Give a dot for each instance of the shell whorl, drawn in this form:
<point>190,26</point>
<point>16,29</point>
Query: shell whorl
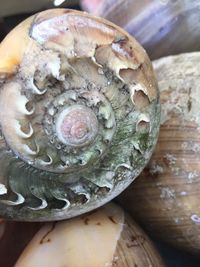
<point>79,115</point>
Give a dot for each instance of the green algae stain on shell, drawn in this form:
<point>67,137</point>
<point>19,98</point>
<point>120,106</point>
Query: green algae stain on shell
<point>79,115</point>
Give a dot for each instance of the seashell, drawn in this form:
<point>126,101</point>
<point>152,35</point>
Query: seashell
<point>165,198</point>
<point>79,115</point>
<point>164,27</point>
<point>105,237</point>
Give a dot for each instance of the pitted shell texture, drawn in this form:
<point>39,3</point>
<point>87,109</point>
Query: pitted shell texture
<point>79,115</point>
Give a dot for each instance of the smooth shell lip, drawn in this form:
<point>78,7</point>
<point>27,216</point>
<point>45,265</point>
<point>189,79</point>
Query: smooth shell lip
<point>76,126</point>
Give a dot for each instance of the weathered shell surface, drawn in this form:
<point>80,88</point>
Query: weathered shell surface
<point>79,115</point>
<point>105,237</point>
<point>163,27</point>
<point>166,197</point>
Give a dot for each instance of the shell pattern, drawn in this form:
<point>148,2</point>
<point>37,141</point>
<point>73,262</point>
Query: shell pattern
<point>79,115</point>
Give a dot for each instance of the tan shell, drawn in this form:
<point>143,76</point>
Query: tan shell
<point>165,198</point>
<point>105,237</point>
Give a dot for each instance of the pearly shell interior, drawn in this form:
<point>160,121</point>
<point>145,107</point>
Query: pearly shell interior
<point>79,115</point>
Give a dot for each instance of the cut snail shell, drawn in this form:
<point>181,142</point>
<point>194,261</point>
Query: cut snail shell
<point>163,27</point>
<point>79,115</point>
<point>165,198</point>
<point>105,237</point>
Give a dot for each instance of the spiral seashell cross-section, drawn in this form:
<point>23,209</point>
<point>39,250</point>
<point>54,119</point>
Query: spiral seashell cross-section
<point>79,115</point>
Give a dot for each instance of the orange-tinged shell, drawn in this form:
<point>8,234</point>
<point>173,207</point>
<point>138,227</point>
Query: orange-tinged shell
<point>13,47</point>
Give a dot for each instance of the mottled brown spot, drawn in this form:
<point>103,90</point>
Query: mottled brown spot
<point>44,239</point>
<point>135,241</point>
<point>98,223</point>
<point>166,161</point>
<point>86,218</point>
<point>123,43</point>
<point>112,219</point>
<point>189,103</point>
<point>86,221</point>
<point>121,40</point>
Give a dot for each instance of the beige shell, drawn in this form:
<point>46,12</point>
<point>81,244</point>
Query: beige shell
<point>166,197</point>
<point>105,238</point>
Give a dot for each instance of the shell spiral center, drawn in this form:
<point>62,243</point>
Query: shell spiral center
<point>76,126</point>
